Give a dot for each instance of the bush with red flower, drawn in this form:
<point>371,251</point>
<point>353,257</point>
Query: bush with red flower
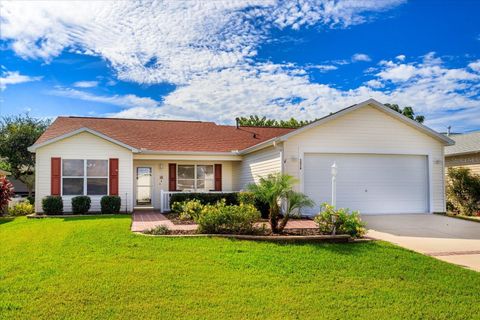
<point>6,193</point>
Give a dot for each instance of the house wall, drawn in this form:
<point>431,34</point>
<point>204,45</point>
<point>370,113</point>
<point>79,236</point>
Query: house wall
<point>471,161</point>
<point>369,130</point>
<point>160,174</point>
<point>83,146</point>
<point>257,164</point>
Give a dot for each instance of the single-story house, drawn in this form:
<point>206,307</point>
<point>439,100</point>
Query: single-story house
<point>387,163</point>
<point>465,152</point>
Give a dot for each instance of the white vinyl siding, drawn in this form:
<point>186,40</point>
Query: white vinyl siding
<point>258,164</point>
<point>370,131</point>
<point>83,146</point>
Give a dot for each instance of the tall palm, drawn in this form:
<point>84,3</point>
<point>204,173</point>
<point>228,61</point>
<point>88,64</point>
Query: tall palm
<point>295,201</point>
<point>273,189</point>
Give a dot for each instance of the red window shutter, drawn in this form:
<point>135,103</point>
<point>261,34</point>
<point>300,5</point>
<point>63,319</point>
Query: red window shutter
<point>55,175</point>
<point>172,177</point>
<point>218,177</point>
<point>113,175</point>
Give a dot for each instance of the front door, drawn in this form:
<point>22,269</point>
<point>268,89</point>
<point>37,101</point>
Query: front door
<point>144,186</point>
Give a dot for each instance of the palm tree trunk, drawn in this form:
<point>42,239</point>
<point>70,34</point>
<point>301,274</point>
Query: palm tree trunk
<point>273,217</point>
<point>283,223</point>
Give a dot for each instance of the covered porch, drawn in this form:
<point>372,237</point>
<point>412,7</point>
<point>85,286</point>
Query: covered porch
<point>158,177</point>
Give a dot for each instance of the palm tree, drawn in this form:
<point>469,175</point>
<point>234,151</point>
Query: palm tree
<point>275,189</point>
<point>295,201</point>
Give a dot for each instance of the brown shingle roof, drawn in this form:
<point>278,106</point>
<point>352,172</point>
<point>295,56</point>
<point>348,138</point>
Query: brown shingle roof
<point>167,135</point>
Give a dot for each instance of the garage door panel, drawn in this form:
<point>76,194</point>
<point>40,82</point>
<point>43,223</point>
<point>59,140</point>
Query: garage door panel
<point>369,183</point>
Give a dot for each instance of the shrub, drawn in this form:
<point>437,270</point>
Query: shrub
<point>31,199</point>
<point>6,193</point>
<point>246,197</point>
<point>159,230</point>
<point>220,218</point>
<point>81,204</point>
<point>52,205</point>
<point>21,209</point>
<point>340,220</point>
<point>205,198</point>
<point>110,204</point>
<point>188,210</point>
<point>463,191</point>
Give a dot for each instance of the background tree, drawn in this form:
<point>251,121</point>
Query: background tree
<point>256,121</point>
<point>17,133</point>
<point>406,111</point>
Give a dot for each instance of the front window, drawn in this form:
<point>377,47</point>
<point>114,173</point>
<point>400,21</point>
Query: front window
<point>84,177</point>
<point>195,177</point>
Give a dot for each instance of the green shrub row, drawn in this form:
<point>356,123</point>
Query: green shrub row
<point>53,205</point>
<point>220,218</point>
<point>233,198</point>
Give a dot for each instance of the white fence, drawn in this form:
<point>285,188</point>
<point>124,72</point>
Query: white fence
<point>165,197</point>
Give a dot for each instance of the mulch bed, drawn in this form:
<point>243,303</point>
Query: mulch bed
<point>175,218</point>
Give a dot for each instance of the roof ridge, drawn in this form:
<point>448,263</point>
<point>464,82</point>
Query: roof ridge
<point>134,119</point>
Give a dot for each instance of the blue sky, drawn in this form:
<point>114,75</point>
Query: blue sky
<point>218,60</point>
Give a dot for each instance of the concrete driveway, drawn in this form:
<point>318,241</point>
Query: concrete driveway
<point>453,240</point>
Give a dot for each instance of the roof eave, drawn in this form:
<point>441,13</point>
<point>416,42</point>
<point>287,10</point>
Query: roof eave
<point>33,148</point>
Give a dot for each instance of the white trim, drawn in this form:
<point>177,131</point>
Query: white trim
<point>34,147</point>
<point>370,102</point>
<point>195,179</point>
<point>152,184</point>
<point>85,178</point>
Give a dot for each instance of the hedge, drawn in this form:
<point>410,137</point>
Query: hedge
<point>231,198</point>
<point>81,204</point>
<point>110,204</point>
<point>205,198</point>
<point>52,205</point>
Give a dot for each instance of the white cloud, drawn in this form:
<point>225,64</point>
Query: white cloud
<point>14,77</point>
<point>208,49</point>
<point>285,91</point>
<point>360,57</point>
<point>375,84</point>
<point>170,41</point>
<point>396,73</point>
<point>125,101</point>
<point>324,67</point>
<point>475,66</point>
<point>85,84</point>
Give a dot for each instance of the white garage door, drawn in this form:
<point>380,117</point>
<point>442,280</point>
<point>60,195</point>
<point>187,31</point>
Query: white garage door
<point>369,183</point>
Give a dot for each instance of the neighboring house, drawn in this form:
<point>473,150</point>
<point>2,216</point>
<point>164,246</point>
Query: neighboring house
<point>21,189</point>
<point>465,152</point>
<point>386,162</point>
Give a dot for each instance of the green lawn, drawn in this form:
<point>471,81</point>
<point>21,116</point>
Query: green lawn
<point>94,268</point>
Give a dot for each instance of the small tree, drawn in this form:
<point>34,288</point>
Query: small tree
<point>256,121</point>
<point>294,201</point>
<point>16,135</point>
<point>463,191</point>
<point>276,189</point>
<point>6,193</point>
<point>407,112</point>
